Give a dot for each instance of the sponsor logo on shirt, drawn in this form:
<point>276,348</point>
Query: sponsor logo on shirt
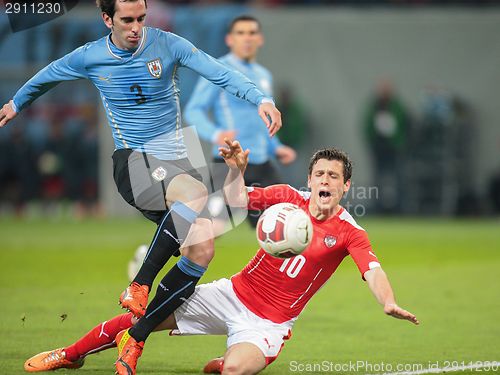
<point>106,79</point>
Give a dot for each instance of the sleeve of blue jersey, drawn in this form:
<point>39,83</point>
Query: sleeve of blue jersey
<point>230,80</point>
<point>198,108</point>
<point>273,145</point>
<point>67,68</point>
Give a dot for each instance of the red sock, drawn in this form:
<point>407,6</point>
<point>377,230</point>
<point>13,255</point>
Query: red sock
<point>99,338</point>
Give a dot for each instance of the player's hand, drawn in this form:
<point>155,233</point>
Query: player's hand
<point>397,312</point>
<point>285,154</point>
<point>7,113</point>
<point>234,156</point>
<point>271,117</point>
<point>229,134</point>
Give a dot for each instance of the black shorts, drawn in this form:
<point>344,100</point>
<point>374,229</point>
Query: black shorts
<point>260,175</point>
<point>142,180</point>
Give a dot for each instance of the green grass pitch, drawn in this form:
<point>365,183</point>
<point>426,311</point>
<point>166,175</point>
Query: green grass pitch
<point>446,272</point>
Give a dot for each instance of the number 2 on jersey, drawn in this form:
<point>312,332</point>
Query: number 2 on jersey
<point>297,262</point>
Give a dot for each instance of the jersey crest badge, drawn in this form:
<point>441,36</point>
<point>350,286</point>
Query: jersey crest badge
<point>330,241</point>
<point>159,174</point>
<point>155,68</point>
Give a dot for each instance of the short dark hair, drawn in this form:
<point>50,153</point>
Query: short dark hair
<point>333,154</point>
<point>109,6</point>
<point>243,17</point>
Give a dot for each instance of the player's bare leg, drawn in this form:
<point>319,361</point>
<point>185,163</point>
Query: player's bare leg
<point>241,359</point>
<point>199,245</point>
<point>185,197</point>
<point>167,324</point>
<point>187,189</point>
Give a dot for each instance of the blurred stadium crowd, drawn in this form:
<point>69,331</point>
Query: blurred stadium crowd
<point>44,163</point>
<point>51,158</point>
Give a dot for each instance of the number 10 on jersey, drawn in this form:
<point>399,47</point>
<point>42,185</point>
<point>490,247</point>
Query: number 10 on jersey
<point>292,266</point>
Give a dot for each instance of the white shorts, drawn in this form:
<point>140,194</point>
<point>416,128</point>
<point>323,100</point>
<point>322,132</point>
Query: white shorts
<point>214,309</point>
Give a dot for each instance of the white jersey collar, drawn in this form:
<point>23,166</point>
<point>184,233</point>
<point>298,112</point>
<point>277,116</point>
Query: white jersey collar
<point>136,52</point>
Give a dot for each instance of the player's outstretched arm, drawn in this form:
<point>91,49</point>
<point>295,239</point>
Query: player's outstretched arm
<point>236,159</point>
<point>381,288</point>
<point>67,68</point>
<point>271,117</point>
<point>7,113</point>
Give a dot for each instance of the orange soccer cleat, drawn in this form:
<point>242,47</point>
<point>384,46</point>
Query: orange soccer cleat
<point>135,299</point>
<point>129,352</point>
<point>51,360</point>
<point>214,366</point>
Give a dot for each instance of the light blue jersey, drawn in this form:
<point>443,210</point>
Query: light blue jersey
<point>231,113</point>
<point>139,89</point>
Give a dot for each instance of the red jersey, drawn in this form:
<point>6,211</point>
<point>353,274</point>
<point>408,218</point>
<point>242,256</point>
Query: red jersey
<point>279,289</point>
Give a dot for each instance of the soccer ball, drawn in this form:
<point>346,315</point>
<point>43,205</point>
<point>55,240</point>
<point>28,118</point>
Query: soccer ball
<point>136,262</point>
<point>284,230</point>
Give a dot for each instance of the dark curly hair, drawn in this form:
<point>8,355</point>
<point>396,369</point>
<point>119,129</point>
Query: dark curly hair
<point>332,154</point>
<point>108,6</point>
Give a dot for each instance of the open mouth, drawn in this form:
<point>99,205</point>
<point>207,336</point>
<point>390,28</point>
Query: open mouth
<point>325,196</point>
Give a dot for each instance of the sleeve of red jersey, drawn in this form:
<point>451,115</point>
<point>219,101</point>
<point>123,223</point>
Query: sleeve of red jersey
<point>261,198</point>
<point>360,249</point>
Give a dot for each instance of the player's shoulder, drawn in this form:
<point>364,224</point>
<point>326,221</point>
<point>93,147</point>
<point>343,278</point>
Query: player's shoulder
<point>154,35</point>
<point>156,32</point>
<point>172,42</point>
<point>90,53</point>
<point>290,193</point>
<point>299,194</point>
<point>347,218</point>
<point>94,45</point>
<point>168,36</point>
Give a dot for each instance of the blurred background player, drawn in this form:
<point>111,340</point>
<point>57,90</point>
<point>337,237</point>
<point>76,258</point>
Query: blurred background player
<point>387,129</point>
<point>257,307</point>
<point>135,71</point>
<point>217,115</point>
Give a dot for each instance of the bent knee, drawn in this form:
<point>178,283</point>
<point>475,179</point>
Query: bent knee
<point>205,250</point>
<point>201,253</point>
<point>188,190</point>
<point>201,236</point>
